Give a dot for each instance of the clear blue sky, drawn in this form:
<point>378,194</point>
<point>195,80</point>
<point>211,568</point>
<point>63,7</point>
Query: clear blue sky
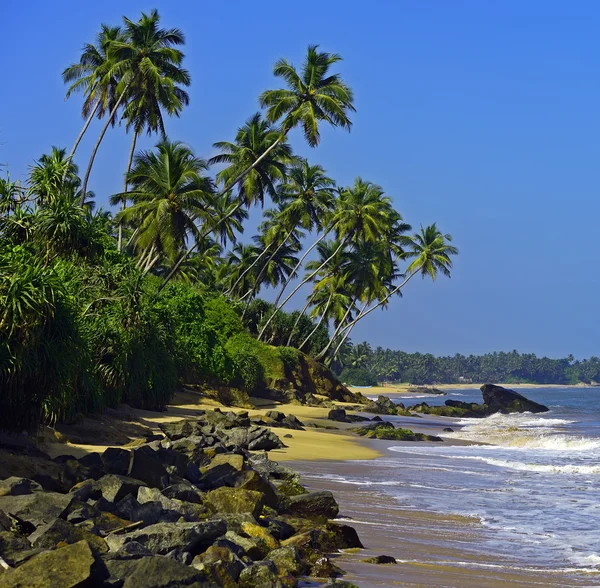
<point>482,116</point>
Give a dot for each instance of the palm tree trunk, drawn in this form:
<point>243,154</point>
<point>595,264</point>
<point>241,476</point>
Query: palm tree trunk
<point>231,213</point>
<point>129,162</point>
<point>79,137</point>
<point>348,331</point>
<point>308,302</point>
<point>299,264</point>
<point>310,277</point>
<point>318,323</point>
<point>338,330</point>
<point>97,145</point>
<point>362,314</point>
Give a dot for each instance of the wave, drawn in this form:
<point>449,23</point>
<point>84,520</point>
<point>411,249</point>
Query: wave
<point>474,564</point>
<point>533,467</point>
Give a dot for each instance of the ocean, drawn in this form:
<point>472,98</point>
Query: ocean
<point>533,487</point>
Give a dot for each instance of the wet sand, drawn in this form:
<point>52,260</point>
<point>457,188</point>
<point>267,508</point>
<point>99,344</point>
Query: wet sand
<point>431,549</point>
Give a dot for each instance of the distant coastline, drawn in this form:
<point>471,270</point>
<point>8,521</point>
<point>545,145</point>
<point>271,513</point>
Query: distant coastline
<point>412,389</point>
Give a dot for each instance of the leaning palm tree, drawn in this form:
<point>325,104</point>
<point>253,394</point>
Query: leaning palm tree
<point>226,218</point>
<point>170,195</point>
<point>362,214</point>
<point>145,59</point>
<point>92,76</point>
<point>313,96</point>
<point>432,255</point>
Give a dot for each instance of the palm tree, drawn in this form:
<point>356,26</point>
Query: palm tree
<point>226,218</point>
<point>432,253</point>
<point>52,175</point>
<point>145,59</point>
<point>169,194</point>
<point>238,260</point>
<point>92,76</point>
<point>362,213</point>
<point>311,97</point>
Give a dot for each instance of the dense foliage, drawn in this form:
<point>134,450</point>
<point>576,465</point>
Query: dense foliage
<point>99,309</point>
<point>359,362</point>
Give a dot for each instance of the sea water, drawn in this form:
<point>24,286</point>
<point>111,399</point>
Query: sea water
<point>535,484</point>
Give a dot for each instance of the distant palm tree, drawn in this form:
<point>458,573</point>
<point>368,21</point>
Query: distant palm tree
<point>145,59</point>
<point>226,218</point>
<point>93,76</point>
<point>170,195</point>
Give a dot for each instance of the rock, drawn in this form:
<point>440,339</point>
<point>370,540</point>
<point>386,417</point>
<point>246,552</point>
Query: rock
<point>291,488</point>
<point>278,528</point>
<point>341,584</point>
<point>180,429</point>
<point>254,547</point>
<point>50,535</point>
<point>161,538</point>
<point>94,465</point>
<point>11,544</point>
<point>220,564</point>
<point>38,508</point>
<point>380,559</point>
<point>149,513</point>
<point>503,400</point>
<point>288,436</point>
<point>235,460</point>
<point>71,566</point>
<point>115,487</point>
<point>192,448</point>
<point>234,521</point>
<point>288,561</point>
<point>258,532</point>
<point>252,480</point>
<point>271,469</point>
<point>325,568</point>
<point>190,511</point>
<point>313,504</point>
<point>260,575</point>
<point>342,537</point>
<point>340,415</point>
<point>146,467</point>
<point>387,431</point>
<point>15,486</point>
<point>133,548</point>
<point>253,438</point>
<point>185,492</point>
<point>235,500</point>
<point>218,476</point>
<point>116,461</point>
<point>107,522</point>
<point>155,572</point>
<point>377,419</point>
<point>448,430</point>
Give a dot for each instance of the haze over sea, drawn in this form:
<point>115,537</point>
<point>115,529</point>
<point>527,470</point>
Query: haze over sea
<point>533,487</point>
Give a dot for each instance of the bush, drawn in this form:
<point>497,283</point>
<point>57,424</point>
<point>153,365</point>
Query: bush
<point>222,318</point>
<point>357,377</point>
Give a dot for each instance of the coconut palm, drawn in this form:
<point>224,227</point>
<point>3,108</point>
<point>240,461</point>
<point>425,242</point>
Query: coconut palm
<point>432,255</point>
<point>237,262</point>
<point>146,61</point>
<point>226,218</point>
<point>312,96</point>
<point>93,76</point>
<point>169,194</point>
<point>362,214</point>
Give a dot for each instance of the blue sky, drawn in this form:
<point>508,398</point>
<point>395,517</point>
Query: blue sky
<point>482,116</point>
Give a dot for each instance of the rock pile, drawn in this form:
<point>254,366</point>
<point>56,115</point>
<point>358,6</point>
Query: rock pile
<point>193,509</point>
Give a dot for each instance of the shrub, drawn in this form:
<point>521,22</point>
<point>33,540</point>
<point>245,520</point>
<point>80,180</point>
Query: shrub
<point>357,377</point>
<point>222,318</point>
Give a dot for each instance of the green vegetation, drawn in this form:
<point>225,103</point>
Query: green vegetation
<point>423,368</point>
<point>387,432</point>
<point>97,309</point>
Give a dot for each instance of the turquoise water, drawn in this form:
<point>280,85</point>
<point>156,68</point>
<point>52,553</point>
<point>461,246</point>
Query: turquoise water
<point>535,486</point>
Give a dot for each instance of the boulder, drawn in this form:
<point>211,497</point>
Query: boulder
<point>15,486</point>
<point>260,575</point>
<point>235,500</point>
<point>340,415</point>
<point>183,491</point>
<point>180,429</point>
<point>72,566</point>
<point>50,535</point>
<point>38,508</point>
<point>253,438</point>
<point>193,448</point>
<point>278,528</point>
<point>161,538</point>
<point>155,572</point>
<point>235,460</point>
<point>11,545</point>
<point>216,477</point>
<point>271,469</point>
<point>325,568</point>
<point>252,480</point>
<point>501,399</point>
<point>146,467</point>
<point>116,460</point>
<point>288,561</point>
<point>220,564</point>
<point>258,532</point>
<point>313,504</point>
<point>253,547</point>
<point>380,559</point>
<point>190,511</point>
<point>115,487</point>
<point>342,537</point>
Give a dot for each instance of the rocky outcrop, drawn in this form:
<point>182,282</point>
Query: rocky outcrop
<point>499,399</point>
<point>384,405</point>
<point>388,432</point>
<point>341,416</point>
<point>201,511</point>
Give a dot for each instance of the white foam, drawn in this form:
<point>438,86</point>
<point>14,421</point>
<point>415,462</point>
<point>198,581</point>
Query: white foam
<point>533,467</point>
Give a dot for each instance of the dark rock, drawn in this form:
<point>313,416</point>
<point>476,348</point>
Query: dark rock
<point>193,448</point>
<point>183,557</point>
<point>220,564</point>
<point>288,561</point>
<point>313,504</point>
<point>149,513</point>
<point>38,508</point>
<point>86,490</point>
<point>115,487</point>
<point>190,511</point>
<point>50,535</point>
<point>11,544</point>
<point>72,566</point>
<point>389,432</point>
<point>288,436</point>
<point>180,429</point>
<point>155,572</point>
<point>448,430</point>
<point>271,469</point>
<point>260,575</point>
<point>252,480</point>
<point>94,463</point>
<point>278,528</point>
<point>503,400</point>
<point>15,486</point>
<point>341,536</point>
<point>116,461</point>
<point>162,538</point>
<point>340,415</point>
<point>132,549</point>
<point>235,500</point>
<point>220,475</point>
<point>252,547</point>
<point>146,467</point>
<point>325,568</point>
<point>185,492</point>
<point>377,419</point>
<point>235,460</point>
<point>380,559</point>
